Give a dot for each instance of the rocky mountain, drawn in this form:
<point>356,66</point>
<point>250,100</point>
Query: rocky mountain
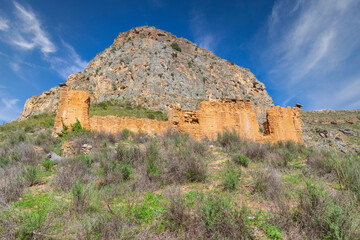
<point>153,68</point>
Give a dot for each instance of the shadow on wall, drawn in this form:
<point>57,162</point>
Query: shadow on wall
<point>282,124</point>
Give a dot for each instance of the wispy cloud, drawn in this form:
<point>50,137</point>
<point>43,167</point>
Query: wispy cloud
<point>202,37</point>
<point>311,49</point>
<point>68,64</point>
<point>9,109</point>
<point>15,66</point>
<point>3,24</point>
<point>9,103</point>
<point>29,33</point>
<point>26,32</point>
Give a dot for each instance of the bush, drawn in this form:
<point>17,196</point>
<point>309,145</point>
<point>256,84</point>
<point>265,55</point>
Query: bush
<point>69,170</point>
<point>11,186</point>
<point>255,151</point>
<point>48,164</point>
<point>268,184</point>
<point>229,140</point>
<point>185,158</point>
<point>79,196</point>
<point>241,160</point>
<point>17,137</point>
<point>126,171</point>
<point>323,217</point>
<point>176,213</point>
<point>151,159</point>
<point>25,153</point>
<point>30,222</point>
<point>222,220</point>
<point>348,172</point>
<point>31,175</point>
<point>125,134</point>
<point>175,46</point>
<point>230,177</point>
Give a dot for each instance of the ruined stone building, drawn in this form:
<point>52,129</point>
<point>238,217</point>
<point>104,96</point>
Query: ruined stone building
<point>212,117</point>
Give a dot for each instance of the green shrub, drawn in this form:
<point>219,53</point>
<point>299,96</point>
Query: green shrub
<point>229,140</point>
<point>17,137</point>
<point>126,133</point>
<point>4,161</point>
<point>324,217</point>
<point>152,155</point>
<point>126,171</point>
<point>175,46</point>
<point>31,175</point>
<point>222,220</point>
<point>79,195</point>
<point>230,177</point>
<point>30,222</point>
<point>348,171</point>
<point>47,164</point>
<point>76,127</point>
<point>241,160</point>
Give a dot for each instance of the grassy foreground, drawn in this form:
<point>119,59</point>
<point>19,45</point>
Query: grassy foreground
<point>133,186</point>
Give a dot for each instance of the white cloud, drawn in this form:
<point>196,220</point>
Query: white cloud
<point>9,103</point>
<point>26,32</point>
<point>29,33</point>
<point>311,49</point>
<point>9,110</point>
<point>68,64</point>
<point>202,37</point>
<point>4,24</point>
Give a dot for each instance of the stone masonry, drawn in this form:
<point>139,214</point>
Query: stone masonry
<point>73,105</point>
<point>212,117</point>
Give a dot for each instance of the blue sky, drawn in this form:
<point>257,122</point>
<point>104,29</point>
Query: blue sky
<point>305,51</point>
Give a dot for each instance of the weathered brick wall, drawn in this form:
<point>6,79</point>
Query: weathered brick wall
<point>73,105</point>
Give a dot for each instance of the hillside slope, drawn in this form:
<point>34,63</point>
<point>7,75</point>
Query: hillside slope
<point>154,68</point>
<point>338,129</point>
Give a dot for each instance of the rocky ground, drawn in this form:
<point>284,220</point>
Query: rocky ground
<point>331,129</point>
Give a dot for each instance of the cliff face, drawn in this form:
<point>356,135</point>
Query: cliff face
<point>154,68</point>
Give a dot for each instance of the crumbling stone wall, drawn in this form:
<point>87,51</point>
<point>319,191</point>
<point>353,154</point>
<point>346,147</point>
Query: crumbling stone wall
<point>218,116</point>
<point>283,124</point>
<point>73,105</point>
<point>114,124</point>
<point>212,117</point>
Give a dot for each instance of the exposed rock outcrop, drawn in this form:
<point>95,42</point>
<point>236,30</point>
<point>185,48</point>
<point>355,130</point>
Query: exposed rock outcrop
<point>334,129</point>
<point>141,65</point>
<point>46,102</point>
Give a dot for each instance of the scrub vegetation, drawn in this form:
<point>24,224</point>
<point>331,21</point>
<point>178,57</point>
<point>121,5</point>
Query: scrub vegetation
<point>135,186</point>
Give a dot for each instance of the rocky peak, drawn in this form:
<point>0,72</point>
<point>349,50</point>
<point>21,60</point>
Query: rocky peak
<point>154,68</point>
